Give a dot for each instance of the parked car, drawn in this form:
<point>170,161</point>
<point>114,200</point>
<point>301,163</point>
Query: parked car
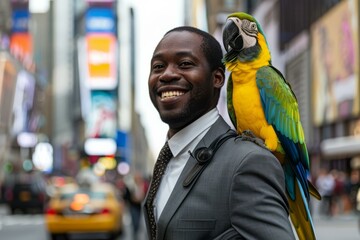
<point>25,191</point>
<point>94,208</point>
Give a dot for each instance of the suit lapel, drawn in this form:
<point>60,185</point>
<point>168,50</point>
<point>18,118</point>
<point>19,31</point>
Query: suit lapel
<point>179,192</point>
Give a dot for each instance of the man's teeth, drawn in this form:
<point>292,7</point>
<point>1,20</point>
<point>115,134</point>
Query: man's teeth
<point>171,94</point>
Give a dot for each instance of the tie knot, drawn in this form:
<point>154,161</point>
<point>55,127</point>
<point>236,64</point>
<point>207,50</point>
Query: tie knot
<point>165,154</point>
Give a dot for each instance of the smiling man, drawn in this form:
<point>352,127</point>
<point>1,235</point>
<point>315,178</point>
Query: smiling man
<point>209,184</point>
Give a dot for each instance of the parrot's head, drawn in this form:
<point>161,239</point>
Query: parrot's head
<point>243,38</point>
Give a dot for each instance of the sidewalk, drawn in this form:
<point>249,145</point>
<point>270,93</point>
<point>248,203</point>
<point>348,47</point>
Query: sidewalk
<point>4,210</point>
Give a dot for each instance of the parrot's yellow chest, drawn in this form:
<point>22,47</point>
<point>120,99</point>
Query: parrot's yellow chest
<point>247,103</point>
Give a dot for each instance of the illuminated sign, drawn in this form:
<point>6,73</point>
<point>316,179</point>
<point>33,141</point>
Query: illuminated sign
<point>27,139</point>
<point>100,20</point>
<point>20,20</point>
<point>100,146</point>
<point>21,48</point>
<point>101,61</point>
<point>43,157</point>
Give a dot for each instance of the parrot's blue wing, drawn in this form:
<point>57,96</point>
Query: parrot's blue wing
<point>281,111</point>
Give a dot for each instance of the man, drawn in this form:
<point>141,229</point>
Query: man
<point>238,191</point>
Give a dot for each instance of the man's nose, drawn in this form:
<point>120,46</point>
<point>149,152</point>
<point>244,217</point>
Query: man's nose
<point>169,74</point>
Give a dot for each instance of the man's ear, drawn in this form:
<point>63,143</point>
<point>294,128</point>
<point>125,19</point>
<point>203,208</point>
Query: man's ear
<point>219,77</point>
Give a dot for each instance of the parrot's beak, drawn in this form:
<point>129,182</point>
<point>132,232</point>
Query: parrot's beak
<point>232,39</point>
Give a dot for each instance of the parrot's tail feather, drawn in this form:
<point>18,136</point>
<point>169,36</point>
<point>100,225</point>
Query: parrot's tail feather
<point>300,215</point>
<point>313,191</point>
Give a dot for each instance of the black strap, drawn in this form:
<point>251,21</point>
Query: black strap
<point>204,156</point>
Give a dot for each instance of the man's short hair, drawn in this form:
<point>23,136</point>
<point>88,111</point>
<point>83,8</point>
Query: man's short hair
<point>210,46</point>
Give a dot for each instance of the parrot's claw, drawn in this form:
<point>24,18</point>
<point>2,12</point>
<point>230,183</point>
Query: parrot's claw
<point>250,136</point>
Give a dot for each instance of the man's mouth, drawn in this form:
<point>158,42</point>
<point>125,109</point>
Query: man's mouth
<point>170,94</point>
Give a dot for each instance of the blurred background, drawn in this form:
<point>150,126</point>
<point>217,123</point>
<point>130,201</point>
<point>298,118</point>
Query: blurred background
<point>74,105</point>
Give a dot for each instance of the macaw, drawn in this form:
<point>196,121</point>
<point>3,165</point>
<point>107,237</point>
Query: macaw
<point>261,102</point>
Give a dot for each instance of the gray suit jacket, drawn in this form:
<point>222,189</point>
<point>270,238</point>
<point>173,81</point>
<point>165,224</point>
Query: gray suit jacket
<point>239,195</point>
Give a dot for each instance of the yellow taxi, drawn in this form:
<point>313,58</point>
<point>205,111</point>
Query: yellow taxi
<point>93,208</point>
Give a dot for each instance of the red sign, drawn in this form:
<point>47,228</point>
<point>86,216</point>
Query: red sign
<point>21,47</point>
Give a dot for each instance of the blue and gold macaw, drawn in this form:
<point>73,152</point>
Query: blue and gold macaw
<point>261,101</point>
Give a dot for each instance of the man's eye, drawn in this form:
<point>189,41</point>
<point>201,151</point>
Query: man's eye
<point>157,66</point>
<point>186,64</point>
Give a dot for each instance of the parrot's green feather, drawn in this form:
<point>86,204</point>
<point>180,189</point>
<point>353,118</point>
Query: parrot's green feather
<point>230,105</point>
<point>281,108</point>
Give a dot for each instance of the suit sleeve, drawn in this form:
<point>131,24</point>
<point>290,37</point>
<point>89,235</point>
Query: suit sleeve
<point>259,208</point>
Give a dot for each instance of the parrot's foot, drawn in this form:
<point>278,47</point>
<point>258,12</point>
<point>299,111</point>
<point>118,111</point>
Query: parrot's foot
<point>250,136</point>
<point>271,140</point>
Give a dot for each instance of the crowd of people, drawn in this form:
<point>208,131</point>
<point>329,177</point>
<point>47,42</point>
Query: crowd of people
<point>339,191</point>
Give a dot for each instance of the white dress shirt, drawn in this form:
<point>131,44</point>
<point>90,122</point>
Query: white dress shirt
<point>180,144</point>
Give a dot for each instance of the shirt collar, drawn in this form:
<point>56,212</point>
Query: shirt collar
<point>186,135</point>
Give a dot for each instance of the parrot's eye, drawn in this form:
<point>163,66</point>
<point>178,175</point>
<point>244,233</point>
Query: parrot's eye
<point>253,26</point>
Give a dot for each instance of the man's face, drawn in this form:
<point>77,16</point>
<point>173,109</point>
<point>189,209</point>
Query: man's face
<point>181,84</point>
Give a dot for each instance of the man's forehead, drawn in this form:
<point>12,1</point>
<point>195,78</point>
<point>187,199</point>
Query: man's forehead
<point>180,42</point>
<point>181,37</point>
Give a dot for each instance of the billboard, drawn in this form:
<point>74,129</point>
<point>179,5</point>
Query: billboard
<point>23,102</point>
<point>101,121</point>
<point>101,50</point>
<point>335,62</point>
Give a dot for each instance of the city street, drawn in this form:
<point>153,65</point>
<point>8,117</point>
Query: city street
<point>31,227</point>
<point>337,228</point>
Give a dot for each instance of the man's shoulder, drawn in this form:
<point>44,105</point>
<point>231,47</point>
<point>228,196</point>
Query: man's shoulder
<point>244,144</point>
<point>249,140</point>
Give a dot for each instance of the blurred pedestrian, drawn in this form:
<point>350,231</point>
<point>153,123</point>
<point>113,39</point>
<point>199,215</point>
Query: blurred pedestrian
<point>325,184</point>
<point>338,204</point>
<point>212,187</point>
<point>136,188</point>
<point>354,186</point>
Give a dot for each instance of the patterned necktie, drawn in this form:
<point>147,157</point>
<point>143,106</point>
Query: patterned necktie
<point>163,159</point>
